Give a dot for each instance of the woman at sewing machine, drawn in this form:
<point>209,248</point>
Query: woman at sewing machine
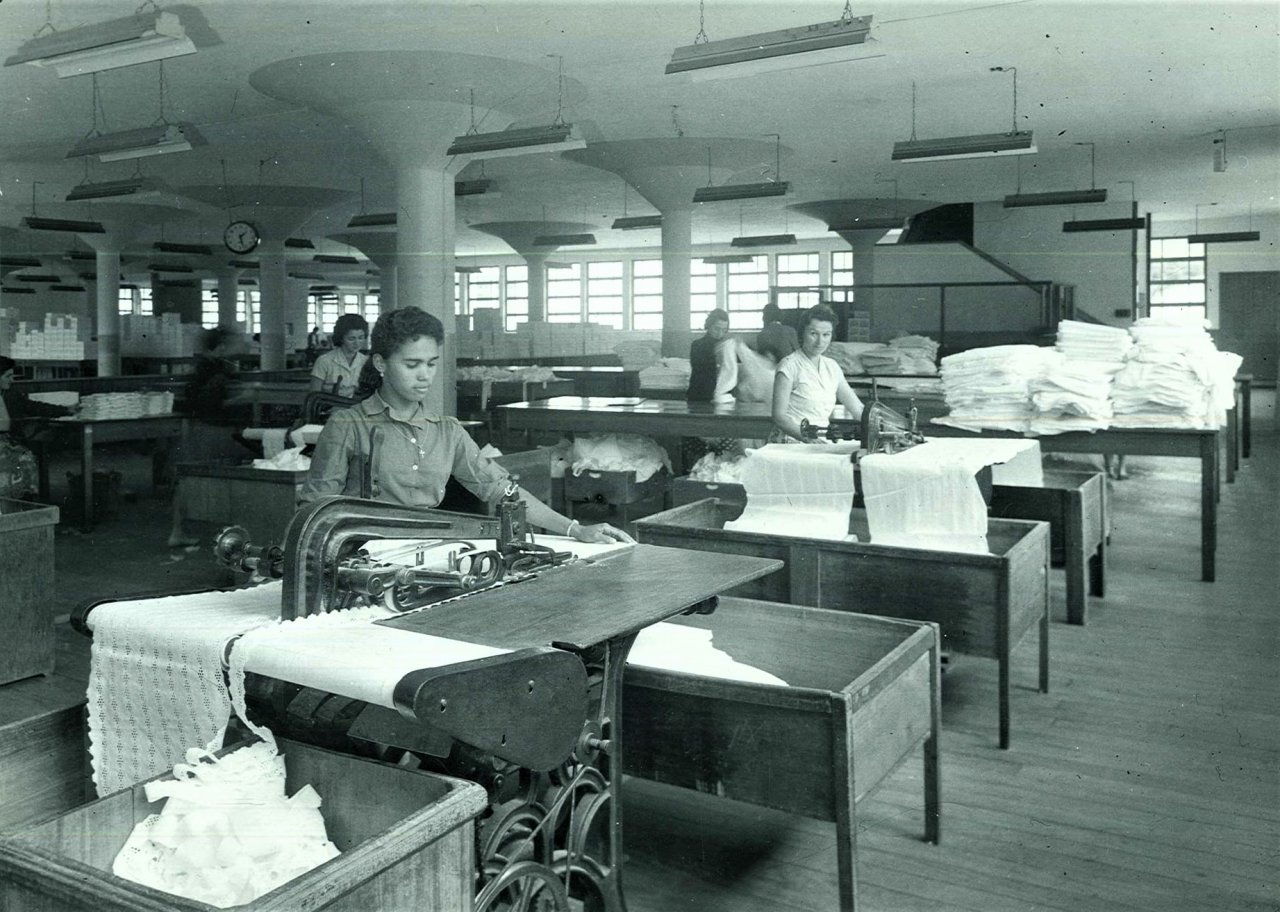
<point>808,385</point>
<point>338,370</point>
<point>412,453</point>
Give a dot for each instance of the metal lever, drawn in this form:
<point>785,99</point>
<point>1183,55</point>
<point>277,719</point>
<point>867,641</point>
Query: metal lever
<point>233,549</point>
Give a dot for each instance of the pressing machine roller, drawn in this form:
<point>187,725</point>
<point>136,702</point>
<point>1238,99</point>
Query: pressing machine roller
<point>880,430</point>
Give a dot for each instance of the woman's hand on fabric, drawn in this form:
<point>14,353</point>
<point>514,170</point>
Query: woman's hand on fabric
<point>601,534</point>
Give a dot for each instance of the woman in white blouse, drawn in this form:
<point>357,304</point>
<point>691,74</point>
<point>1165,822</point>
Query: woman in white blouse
<point>808,385</point>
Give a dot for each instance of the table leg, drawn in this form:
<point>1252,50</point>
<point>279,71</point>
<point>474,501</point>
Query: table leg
<point>844,794</point>
<point>1208,506</point>
<point>1098,572</point>
<point>1233,449</point>
<point>932,768</point>
<point>42,470</point>
<point>1076,561</point>
<point>1002,663</point>
<point>1246,417</point>
<point>86,472</point>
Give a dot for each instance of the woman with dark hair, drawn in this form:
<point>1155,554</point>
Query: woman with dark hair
<point>807,384</point>
<point>713,368</point>
<point>338,370</point>
<point>410,453</point>
<point>17,463</point>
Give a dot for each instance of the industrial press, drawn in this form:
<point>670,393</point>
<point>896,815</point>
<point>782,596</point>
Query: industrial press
<point>537,725</point>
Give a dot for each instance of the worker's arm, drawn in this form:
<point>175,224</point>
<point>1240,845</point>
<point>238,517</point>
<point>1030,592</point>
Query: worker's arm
<point>539,514</point>
<point>849,399</point>
<point>726,370</point>
<point>781,401</point>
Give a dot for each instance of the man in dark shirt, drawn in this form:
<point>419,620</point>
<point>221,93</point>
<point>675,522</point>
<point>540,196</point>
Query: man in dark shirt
<point>777,339</point>
<point>704,362</point>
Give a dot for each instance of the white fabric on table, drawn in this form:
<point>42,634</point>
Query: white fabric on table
<point>797,490</point>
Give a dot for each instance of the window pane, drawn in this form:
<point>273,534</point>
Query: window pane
<point>646,267</point>
<point>1187,293</point>
<point>1189,316</point>
<point>605,270</point>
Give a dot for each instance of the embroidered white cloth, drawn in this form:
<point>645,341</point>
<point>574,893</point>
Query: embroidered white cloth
<point>798,490</point>
<point>156,685</point>
<point>690,650</point>
<point>928,496</point>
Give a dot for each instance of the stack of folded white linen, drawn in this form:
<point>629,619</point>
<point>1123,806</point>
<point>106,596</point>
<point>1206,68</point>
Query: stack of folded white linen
<point>1175,377</point>
<point>1075,392</point>
<point>668,373</point>
<point>990,388</point>
<point>921,353</point>
<point>619,453</point>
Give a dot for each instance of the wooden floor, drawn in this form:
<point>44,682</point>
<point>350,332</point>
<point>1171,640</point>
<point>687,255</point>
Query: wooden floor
<point>1147,779</point>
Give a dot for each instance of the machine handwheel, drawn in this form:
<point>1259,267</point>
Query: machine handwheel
<point>525,886</point>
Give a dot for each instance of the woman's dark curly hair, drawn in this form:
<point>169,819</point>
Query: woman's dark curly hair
<point>393,329</point>
<point>822,314</point>
<point>345,324</point>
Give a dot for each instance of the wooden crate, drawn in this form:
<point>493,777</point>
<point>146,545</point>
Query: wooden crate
<point>26,588</point>
<point>862,696</point>
<point>406,837</point>
<point>984,604</point>
<point>685,490</point>
<point>617,490</point>
<point>261,500</point>
<point>1074,504</point>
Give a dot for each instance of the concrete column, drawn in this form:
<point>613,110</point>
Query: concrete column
<point>537,286</point>
<point>387,284</point>
<point>108,316</point>
<point>271,277</point>
<point>677,247</point>
<point>424,255</point>
<point>295,312</point>
<point>864,268</point>
<point>228,291</point>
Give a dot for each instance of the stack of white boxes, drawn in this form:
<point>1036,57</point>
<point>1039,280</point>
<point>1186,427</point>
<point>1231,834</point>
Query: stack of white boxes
<point>165,336</point>
<point>59,338</point>
<point>8,326</point>
<point>548,341</point>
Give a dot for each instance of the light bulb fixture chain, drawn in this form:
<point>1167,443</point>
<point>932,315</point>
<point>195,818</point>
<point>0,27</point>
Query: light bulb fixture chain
<point>1014,72</point>
<point>701,37</point>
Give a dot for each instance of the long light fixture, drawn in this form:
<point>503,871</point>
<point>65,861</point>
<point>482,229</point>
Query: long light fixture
<point>167,247</point>
<point>142,38</point>
<point>157,139</point>
<point>476,187</point>
<point>726,192</point>
<point>66,287</point>
<point>1060,197</point>
<point>129,186</point>
<point>309,276</point>
<point>38,277</point>
<point>1224,237</point>
<point>869,224</point>
<point>335,259</point>
<point>822,42</point>
<point>36,223</point>
<point>168,267</point>
<point>1111,224</point>
<point>299,244</point>
<point>549,138</point>
<point>372,220</point>
<point>636,222</point>
<point>467,270</point>
<point>763,240</point>
<point>564,240</point>
<point>243,264</point>
<point>978,145</point>
<point>728,258</point>
<point>81,255</point>
<point>17,290</point>
<point>18,262</point>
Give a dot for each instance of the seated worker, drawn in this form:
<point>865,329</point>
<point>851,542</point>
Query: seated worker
<point>414,452</point>
<point>777,339</point>
<point>18,469</point>
<point>338,370</point>
<point>713,365</point>
<point>807,384</point>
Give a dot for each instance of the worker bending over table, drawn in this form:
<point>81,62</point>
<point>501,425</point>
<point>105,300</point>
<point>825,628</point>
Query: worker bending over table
<point>18,470</point>
<point>808,385</point>
<point>409,453</point>
<point>338,370</point>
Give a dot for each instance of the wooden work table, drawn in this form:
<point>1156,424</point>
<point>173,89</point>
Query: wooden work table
<point>664,418</point>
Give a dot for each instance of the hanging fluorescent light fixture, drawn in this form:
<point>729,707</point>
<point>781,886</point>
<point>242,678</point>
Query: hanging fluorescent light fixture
<point>36,223</point>
<point>66,288</point>
<point>243,264</point>
<point>1059,197</point>
<point>130,186</point>
<point>309,276</point>
<point>1111,224</point>
<point>978,145</point>
<point>168,267</point>
<point>323,288</point>
<point>18,262</point>
<point>821,43</point>
<point>763,240</point>
<point>142,38</point>
<point>299,244</point>
<point>1224,237</point>
<point>728,258</point>
<point>167,247</point>
<point>82,255</point>
<point>477,187</point>
<point>564,240</point>
<point>553,137</point>
<point>157,139</point>
<point>333,258</point>
<point>636,222</point>
<point>372,220</point>
<point>467,270</point>
<point>247,282</point>
<point>551,265</point>
<point>727,192</point>
<point>17,291</point>
<point>38,277</point>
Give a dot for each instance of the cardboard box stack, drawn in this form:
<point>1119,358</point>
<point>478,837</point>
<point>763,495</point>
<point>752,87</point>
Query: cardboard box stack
<point>163,336</point>
<point>61,337</point>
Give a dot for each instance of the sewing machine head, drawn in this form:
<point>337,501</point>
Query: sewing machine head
<point>881,429</point>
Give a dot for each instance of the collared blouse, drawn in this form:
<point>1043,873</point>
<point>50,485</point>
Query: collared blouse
<point>333,365</point>
<point>411,460</point>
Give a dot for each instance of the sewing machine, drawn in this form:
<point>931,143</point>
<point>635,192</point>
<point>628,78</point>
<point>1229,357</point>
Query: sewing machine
<point>535,725</point>
<point>880,430</point>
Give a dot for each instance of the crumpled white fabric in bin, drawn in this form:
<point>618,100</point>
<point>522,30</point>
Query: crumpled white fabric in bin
<point>227,833</point>
<point>619,453</point>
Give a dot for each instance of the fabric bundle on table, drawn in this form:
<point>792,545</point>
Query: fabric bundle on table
<point>1175,377</point>
<point>928,496</point>
<point>1075,392</point>
<point>801,491</point>
<point>108,406</point>
<point>667,373</point>
<point>990,388</point>
<point>619,453</point>
<point>1093,342</point>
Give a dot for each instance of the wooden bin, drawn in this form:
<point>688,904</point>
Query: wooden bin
<point>1074,504</point>
<point>231,494</point>
<point>619,490</point>
<point>26,588</point>
<point>983,603</point>
<point>684,490</point>
<point>406,839</point>
<point>862,696</point>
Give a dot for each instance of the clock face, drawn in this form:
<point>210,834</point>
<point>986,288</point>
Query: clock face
<point>240,237</point>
